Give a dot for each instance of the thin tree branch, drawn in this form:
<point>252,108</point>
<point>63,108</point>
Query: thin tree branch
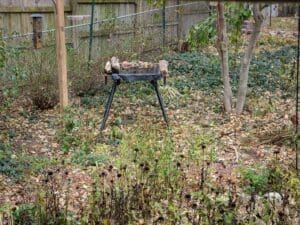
<point>245,63</point>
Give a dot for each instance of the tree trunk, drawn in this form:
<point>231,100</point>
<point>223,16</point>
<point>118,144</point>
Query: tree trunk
<point>245,63</point>
<point>222,46</point>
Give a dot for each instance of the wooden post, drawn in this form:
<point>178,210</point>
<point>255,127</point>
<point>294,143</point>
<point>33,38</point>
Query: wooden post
<point>61,53</point>
<point>37,30</point>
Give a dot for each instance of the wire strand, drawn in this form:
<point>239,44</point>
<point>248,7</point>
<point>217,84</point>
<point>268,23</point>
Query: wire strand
<point>105,20</point>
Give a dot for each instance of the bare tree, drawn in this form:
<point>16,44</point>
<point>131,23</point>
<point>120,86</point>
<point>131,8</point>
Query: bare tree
<point>222,46</point>
<point>245,63</point>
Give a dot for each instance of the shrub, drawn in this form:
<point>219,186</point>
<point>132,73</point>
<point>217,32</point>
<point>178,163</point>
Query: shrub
<point>11,73</point>
<point>84,77</point>
<point>256,180</point>
<point>42,79</point>
<point>205,32</point>
<point>24,215</point>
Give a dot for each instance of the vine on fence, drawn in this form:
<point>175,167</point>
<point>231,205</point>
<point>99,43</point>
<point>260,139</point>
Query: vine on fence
<point>205,32</point>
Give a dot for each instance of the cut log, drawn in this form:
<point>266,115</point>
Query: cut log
<point>115,63</point>
<point>107,67</point>
<point>126,65</point>
<point>163,67</point>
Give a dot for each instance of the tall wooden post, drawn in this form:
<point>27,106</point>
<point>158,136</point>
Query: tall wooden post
<point>61,53</point>
<point>37,20</point>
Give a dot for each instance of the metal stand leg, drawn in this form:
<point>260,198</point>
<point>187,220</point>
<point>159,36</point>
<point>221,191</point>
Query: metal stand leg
<point>161,103</point>
<point>108,104</point>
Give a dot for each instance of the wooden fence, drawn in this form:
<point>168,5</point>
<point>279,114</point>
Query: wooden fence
<point>15,19</point>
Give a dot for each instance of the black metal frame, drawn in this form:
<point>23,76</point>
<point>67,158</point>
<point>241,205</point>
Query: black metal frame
<point>116,82</point>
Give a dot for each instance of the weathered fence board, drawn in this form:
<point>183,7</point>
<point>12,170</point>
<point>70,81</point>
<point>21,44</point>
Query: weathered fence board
<point>16,18</point>
<point>136,32</point>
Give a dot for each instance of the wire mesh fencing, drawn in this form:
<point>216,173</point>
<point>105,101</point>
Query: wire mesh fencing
<point>125,33</point>
<point>112,32</point>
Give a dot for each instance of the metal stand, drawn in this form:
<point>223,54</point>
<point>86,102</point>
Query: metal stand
<point>109,103</point>
<point>111,96</point>
<point>161,103</point>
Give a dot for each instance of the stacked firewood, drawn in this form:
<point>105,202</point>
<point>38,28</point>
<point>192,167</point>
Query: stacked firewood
<point>114,66</point>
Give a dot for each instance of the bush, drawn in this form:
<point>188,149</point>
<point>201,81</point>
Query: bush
<point>24,215</point>
<point>84,77</point>
<point>205,32</point>
<point>256,180</point>
<point>42,79</point>
<point>11,74</point>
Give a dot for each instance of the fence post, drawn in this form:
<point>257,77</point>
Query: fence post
<point>61,54</point>
<point>91,31</point>
<point>164,23</point>
<point>37,26</point>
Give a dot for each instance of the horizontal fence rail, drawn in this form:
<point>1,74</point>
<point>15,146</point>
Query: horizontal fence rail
<point>131,33</point>
<point>108,20</point>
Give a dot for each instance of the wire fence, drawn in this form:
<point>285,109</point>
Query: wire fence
<point>26,71</point>
<point>129,35</point>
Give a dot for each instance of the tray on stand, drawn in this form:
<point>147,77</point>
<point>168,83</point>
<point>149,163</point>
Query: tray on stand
<point>135,74</point>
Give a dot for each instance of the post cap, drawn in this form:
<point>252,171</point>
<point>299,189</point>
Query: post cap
<point>78,17</point>
<point>36,16</point>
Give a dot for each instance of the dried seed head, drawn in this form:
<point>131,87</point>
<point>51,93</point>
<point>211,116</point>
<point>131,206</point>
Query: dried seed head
<point>110,167</point>
<point>232,204</point>
<point>124,167</point>
<point>136,149</point>
<point>119,175</point>
<point>203,146</point>
<point>194,205</point>
<point>103,174</point>
<point>160,218</point>
<point>187,196</point>
<point>146,169</point>
<point>178,164</point>
<point>50,173</point>
<point>276,151</point>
